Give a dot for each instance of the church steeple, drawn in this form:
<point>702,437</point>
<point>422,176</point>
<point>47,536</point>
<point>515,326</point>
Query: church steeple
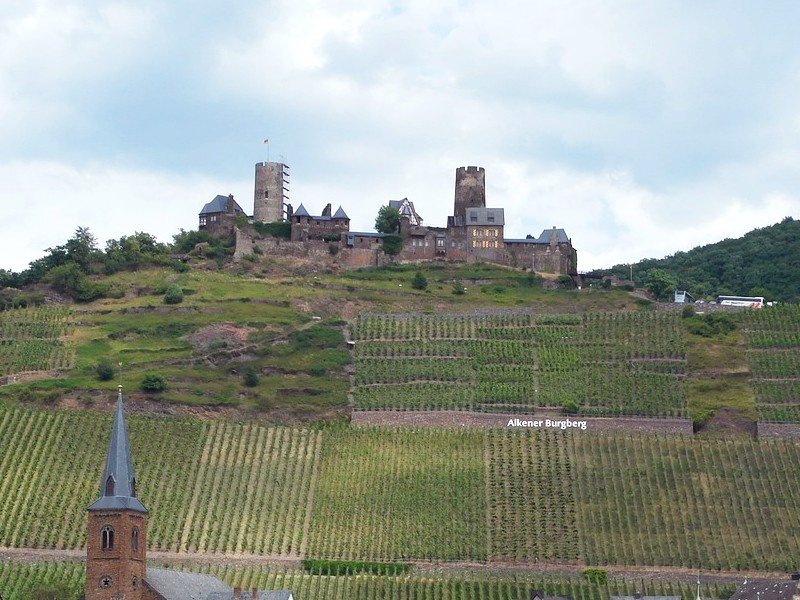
<point>118,487</point>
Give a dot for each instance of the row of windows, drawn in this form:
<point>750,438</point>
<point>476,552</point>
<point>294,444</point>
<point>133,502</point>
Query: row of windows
<point>485,244</point>
<point>485,233</point>
<point>107,538</point>
<point>211,219</point>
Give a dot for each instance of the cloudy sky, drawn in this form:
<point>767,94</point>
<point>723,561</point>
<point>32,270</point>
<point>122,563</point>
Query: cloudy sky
<point>642,128</point>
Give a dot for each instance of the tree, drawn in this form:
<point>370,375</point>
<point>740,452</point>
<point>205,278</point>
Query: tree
<point>388,220</point>
<point>104,370</point>
<point>173,295</point>
<point>250,377</point>
<point>660,283</point>
<point>153,382</point>
<point>418,282</point>
<point>392,244</point>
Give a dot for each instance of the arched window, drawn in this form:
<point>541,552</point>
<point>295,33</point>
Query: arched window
<point>107,537</point>
<point>110,486</point>
<point>135,539</point>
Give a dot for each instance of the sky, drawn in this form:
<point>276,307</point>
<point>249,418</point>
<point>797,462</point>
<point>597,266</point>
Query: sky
<point>641,128</point>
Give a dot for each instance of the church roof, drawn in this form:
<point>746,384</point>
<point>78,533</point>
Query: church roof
<point>175,585</point>
<point>340,214</point>
<point>119,468</point>
<point>301,211</point>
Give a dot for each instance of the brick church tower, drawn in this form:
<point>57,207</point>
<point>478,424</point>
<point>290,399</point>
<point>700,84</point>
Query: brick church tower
<point>117,542</point>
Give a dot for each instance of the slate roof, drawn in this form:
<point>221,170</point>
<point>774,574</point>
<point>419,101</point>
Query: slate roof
<point>369,234</point>
<point>340,214</point>
<point>544,238</point>
<point>766,590</point>
<point>175,585</point>
<point>483,215</point>
<point>120,468</point>
<point>301,211</point>
<point>217,205</point>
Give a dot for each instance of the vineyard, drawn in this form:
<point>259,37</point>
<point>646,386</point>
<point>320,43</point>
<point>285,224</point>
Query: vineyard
<point>369,493</point>
<point>212,487</point>
<point>17,580</point>
<point>601,364</point>
<point>773,355</point>
<point>30,340</point>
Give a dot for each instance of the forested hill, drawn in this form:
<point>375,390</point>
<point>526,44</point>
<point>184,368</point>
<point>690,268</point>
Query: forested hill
<point>764,262</point>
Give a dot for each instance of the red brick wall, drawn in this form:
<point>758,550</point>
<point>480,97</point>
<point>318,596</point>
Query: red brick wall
<point>122,563</point>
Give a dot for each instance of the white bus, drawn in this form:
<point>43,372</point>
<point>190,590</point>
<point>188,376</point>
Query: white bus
<point>747,301</point>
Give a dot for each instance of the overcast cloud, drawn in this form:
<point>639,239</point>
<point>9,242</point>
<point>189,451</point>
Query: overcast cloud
<point>642,128</point>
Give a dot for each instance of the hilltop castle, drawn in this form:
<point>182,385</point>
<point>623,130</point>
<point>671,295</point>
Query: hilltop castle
<point>474,232</point>
<point>116,546</point>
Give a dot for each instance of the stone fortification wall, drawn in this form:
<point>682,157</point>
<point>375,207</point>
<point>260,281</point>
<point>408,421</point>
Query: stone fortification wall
<point>521,420</point>
<point>782,430</point>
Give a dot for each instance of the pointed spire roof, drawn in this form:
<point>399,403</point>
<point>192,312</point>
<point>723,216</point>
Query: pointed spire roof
<point>340,214</point>
<point>118,486</point>
<point>301,211</point>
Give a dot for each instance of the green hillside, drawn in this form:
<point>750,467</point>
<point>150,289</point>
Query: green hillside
<point>763,262</point>
<point>17,580</point>
<point>379,494</point>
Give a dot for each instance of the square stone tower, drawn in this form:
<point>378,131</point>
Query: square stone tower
<point>470,191</point>
<point>271,189</point>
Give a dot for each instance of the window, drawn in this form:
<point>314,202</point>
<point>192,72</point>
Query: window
<point>266,194</point>
<point>106,581</point>
<point>440,242</point>
<point>213,218</point>
<point>110,486</point>
<point>135,583</point>
<point>473,218</point>
<point>490,217</point>
<point>135,538</point>
<point>202,220</point>
<point>107,538</point>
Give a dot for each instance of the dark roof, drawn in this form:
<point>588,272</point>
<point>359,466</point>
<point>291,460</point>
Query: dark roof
<point>175,585</point>
<point>120,468</point>
<point>371,234</point>
<point>340,214</point>
<point>544,238</point>
<point>217,205</point>
<point>766,590</point>
<point>301,211</point>
<point>484,216</point>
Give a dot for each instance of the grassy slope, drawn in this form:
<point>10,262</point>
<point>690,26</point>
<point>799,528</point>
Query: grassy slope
<point>253,318</point>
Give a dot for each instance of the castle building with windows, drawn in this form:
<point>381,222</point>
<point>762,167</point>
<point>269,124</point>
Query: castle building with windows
<point>116,547</point>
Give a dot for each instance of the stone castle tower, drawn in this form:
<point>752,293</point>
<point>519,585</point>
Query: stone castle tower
<point>272,180</point>
<point>117,539</point>
<point>470,191</point>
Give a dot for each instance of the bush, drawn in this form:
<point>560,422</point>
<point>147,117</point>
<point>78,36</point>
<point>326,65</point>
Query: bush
<point>392,244</point>
<point>687,311</point>
<point>250,377</point>
<point>278,229</point>
<point>179,267</point>
<point>565,281</point>
<point>173,295</point>
<point>418,282</point>
<point>595,576</point>
<point>344,567</point>
<point>153,382</point>
<point>570,407</point>
<point>458,288</point>
<point>104,370</point>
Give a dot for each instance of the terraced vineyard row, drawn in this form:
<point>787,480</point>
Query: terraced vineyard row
<point>773,340</point>
<point>602,364</point>
<point>18,580</point>
<point>210,486</point>
<point>30,340</point>
<point>396,494</point>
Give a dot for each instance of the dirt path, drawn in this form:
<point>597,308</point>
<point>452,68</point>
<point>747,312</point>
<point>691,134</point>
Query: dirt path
<point>34,555</point>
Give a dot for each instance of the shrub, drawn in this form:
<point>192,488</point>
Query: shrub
<point>179,267</point>
<point>565,281</point>
<point>250,377</point>
<point>333,249</point>
<point>104,370</point>
<point>418,282</point>
<point>570,407</point>
<point>595,576</point>
<point>687,311</point>
<point>458,288</point>
<point>278,229</point>
<point>153,382</point>
<point>392,244</point>
<point>173,295</point>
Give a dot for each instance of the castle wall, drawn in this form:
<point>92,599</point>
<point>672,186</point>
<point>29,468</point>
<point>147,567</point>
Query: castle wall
<point>270,186</point>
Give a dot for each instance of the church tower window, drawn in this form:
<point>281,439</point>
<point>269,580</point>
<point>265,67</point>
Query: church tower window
<point>107,538</point>
<point>109,486</point>
<point>135,539</point>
